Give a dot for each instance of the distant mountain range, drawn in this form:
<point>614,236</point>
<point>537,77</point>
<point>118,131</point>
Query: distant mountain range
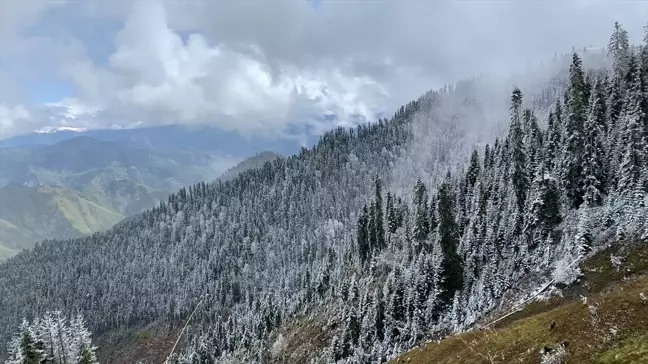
<point>81,185</point>
<point>170,137</point>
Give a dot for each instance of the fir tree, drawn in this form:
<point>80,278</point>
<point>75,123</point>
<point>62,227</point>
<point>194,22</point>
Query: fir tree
<point>553,138</point>
<point>473,169</point>
<point>421,226</point>
<point>594,153</point>
<point>619,48</point>
<point>572,168</point>
<point>392,222</point>
<point>362,235</point>
<point>632,166</point>
<point>452,265</point>
<point>379,224</point>
<point>519,176</point>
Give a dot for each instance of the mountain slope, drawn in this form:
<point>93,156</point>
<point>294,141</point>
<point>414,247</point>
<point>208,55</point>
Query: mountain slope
<point>29,214</point>
<point>81,185</point>
<point>609,326</point>
<point>365,235</point>
<point>254,162</point>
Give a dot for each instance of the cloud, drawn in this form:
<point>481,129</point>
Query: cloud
<point>270,67</point>
<point>11,118</point>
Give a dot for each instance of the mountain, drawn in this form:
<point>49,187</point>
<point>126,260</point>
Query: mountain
<point>30,214</point>
<point>379,237</point>
<point>255,162</point>
<point>81,185</point>
<point>169,138</point>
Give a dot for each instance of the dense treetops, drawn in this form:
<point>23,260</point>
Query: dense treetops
<point>331,228</point>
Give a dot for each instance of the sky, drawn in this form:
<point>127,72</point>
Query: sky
<point>269,67</point>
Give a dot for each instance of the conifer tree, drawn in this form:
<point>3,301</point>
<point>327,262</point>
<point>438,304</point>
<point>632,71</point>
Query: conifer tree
<point>594,153</point>
<point>473,169</point>
<point>452,265</point>
<point>519,176</point>
<point>379,319</point>
<point>25,348</point>
<point>532,143</point>
<point>362,235</point>
<point>421,226</point>
<point>373,237</point>
<point>379,224</point>
<point>572,168</point>
<point>619,48</point>
<point>632,172</point>
<point>553,138</point>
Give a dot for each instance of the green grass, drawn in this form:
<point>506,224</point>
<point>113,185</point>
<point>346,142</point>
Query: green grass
<point>145,335</point>
<point>599,272</point>
<point>85,216</point>
<point>631,350</point>
<point>617,333</point>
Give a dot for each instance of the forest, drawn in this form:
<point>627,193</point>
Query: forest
<point>332,229</point>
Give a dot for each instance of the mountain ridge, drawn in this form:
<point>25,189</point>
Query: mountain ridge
<point>388,261</point>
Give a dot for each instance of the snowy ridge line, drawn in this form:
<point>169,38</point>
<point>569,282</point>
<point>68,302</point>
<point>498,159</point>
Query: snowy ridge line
<point>520,305</point>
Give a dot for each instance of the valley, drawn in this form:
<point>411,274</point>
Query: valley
<point>467,227</point>
<point>82,185</point>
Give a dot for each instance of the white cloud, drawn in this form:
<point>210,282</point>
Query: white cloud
<point>260,66</point>
<point>12,118</point>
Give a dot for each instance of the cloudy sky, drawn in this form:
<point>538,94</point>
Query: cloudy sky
<point>268,66</point>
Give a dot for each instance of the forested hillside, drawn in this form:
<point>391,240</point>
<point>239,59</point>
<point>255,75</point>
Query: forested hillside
<point>81,185</point>
<point>377,235</point>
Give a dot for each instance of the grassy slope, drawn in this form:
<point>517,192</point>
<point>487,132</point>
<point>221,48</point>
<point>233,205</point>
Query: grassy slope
<point>86,216</point>
<point>29,214</point>
<point>616,333</point>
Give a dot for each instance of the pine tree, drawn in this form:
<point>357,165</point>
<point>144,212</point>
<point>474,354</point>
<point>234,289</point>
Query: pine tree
<point>632,171</point>
<point>473,169</point>
<point>553,138</point>
<point>86,350</point>
<point>452,265</point>
<point>351,332</point>
<point>379,224</point>
<point>518,156</point>
<point>53,340</point>
<point>422,225</point>
<point>362,235</point>
<point>392,222</point>
<point>594,168</point>
<point>379,319</point>
<point>373,237</point>
<point>25,348</point>
<point>619,48</point>
<point>572,168</point>
<point>532,143</point>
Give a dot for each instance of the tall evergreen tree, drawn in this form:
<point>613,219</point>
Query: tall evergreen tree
<point>392,222</point>
<point>572,168</point>
<point>452,265</point>
<point>362,235</point>
<point>421,225</point>
<point>594,153</point>
<point>632,172</point>
<point>532,143</point>
<point>519,176</point>
<point>472,173</point>
<point>619,49</point>
<point>553,140</point>
<point>379,225</point>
